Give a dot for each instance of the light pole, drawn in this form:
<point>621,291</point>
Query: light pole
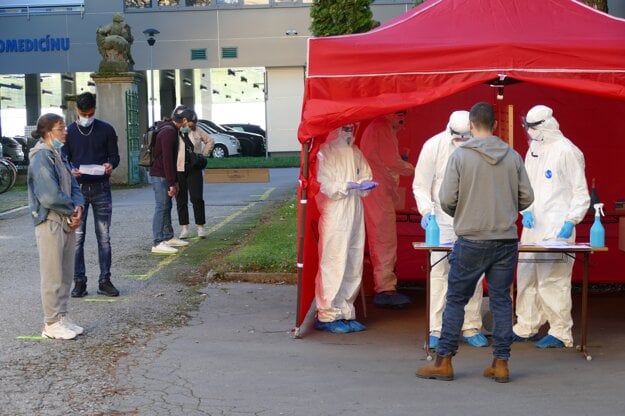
<point>151,36</point>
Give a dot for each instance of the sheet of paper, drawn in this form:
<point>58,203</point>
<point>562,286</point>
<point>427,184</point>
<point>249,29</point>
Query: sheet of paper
<point>97,170</point>
<point>559,244</point>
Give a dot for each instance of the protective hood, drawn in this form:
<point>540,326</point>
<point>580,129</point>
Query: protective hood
<point>548,130</point>
<point>491,148</point>
<point>459,125</point>
<point>340,138</point>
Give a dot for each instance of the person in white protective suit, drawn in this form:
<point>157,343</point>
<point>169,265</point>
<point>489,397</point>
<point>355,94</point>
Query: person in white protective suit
<point>556,170</point>
<point>380,147</point>
<point>428,176</point>
<point>344,177</point>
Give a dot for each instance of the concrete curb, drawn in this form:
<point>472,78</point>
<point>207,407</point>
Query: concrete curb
<point>276,278</point>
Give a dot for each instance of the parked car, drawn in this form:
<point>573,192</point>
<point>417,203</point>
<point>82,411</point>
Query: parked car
<point>250,128</point>
<point>27,143</point>
<point>11,149</point>
<point>251,144</point>
<point>225,145</point>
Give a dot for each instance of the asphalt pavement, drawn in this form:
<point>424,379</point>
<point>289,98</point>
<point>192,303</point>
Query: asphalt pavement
<point>226,348</point>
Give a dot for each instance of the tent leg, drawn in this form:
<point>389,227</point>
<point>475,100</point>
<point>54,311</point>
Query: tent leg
<point>300,247</point>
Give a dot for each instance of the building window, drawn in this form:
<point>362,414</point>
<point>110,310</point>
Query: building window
<point>213,4</point>
<point>138,4</point>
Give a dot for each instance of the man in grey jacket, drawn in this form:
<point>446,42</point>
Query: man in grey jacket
<point>484,188</point>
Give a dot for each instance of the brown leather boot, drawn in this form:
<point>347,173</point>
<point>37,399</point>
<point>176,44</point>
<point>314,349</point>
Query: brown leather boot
<point>440,370</point>
<point>498,371</point>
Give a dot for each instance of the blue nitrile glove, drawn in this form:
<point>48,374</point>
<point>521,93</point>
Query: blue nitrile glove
<point>425,220</point>
<point>353,185</point>
<point>367,185</point>
<point>566,230</point>
<point>528,219</point>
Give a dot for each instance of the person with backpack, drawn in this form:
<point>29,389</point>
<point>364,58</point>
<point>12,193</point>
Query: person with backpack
<point>163,177</point>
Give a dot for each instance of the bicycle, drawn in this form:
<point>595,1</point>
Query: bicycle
<point>8,174</point>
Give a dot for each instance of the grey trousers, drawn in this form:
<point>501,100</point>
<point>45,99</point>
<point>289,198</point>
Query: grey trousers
<point>56,264</point>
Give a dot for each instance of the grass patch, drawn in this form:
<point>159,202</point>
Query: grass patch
<point>271,247</point>
<point>253,162</point>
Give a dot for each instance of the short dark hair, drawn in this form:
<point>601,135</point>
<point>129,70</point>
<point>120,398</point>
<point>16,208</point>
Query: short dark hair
<point>45,123</point>
<point>85,101</point>
<point>181,112</point>
<point>482,116</point>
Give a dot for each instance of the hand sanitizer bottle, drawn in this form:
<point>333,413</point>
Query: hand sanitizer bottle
<point>432,232</point>
<point>597,232</point>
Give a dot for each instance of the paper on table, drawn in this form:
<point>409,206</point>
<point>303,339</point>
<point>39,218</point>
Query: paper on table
<point>560,243</point>
<point>97,170</point>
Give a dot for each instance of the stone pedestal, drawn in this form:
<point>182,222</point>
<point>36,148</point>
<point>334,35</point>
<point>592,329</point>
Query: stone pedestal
<point>111,107</point>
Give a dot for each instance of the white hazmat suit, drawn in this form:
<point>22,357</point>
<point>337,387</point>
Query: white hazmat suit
<point>428,177</point>
<point>341,227</point>
<point>380,147</point>
<point>556,170</point>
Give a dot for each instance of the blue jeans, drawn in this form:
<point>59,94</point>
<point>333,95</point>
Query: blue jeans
<point>470,259</point>
<point>98,196</point>
<point>161,223</point>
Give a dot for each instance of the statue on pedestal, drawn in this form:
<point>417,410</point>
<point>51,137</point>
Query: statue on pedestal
<point>114,41</point>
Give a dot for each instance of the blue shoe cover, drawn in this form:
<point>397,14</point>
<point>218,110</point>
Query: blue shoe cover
<point>336,327</point>
<point>516,338</point>
<point>354,325</point>
<point>549,341</point>
<point>391,300</point>
<point>433,342</point>
<point>477,340</point>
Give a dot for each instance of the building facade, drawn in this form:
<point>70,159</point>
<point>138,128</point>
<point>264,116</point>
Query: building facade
<point>232,60</point>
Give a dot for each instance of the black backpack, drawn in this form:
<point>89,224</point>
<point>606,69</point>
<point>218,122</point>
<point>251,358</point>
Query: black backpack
<point>146,152</point>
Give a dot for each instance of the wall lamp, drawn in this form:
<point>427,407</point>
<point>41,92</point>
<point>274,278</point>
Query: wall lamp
<point>186,81</point>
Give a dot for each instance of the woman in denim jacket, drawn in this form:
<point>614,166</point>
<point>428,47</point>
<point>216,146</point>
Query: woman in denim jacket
<point>56,203</point>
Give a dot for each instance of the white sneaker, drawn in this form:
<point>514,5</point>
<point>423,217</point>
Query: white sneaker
<point>79,330</point>
<point>58,331</point>
<point>185,232</point>
<point>176,242</point>
<point>163,248</point>
<point>201,232</point>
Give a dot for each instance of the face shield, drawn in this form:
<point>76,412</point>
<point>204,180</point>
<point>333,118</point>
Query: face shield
<point>397,120</point>
<point>346,133</point>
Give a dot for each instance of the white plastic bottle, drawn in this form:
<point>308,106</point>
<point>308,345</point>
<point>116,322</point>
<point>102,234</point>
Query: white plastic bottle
<point>597,232</point>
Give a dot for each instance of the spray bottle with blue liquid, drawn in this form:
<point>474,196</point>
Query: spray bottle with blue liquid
<point>597,232</point>
<point>432,232</point>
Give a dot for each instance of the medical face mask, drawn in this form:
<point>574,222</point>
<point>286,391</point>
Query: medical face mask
<point>85,121</point>
<point>57,144</point>
<point>184,130</point>
<point>535,141</point>
<point>535,135</point>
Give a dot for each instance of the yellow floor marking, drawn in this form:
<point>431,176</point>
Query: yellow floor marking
<point>165,262</point>
<point>31,337</point>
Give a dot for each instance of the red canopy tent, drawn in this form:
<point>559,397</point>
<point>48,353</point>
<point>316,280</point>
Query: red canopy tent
<point>445,55</point>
